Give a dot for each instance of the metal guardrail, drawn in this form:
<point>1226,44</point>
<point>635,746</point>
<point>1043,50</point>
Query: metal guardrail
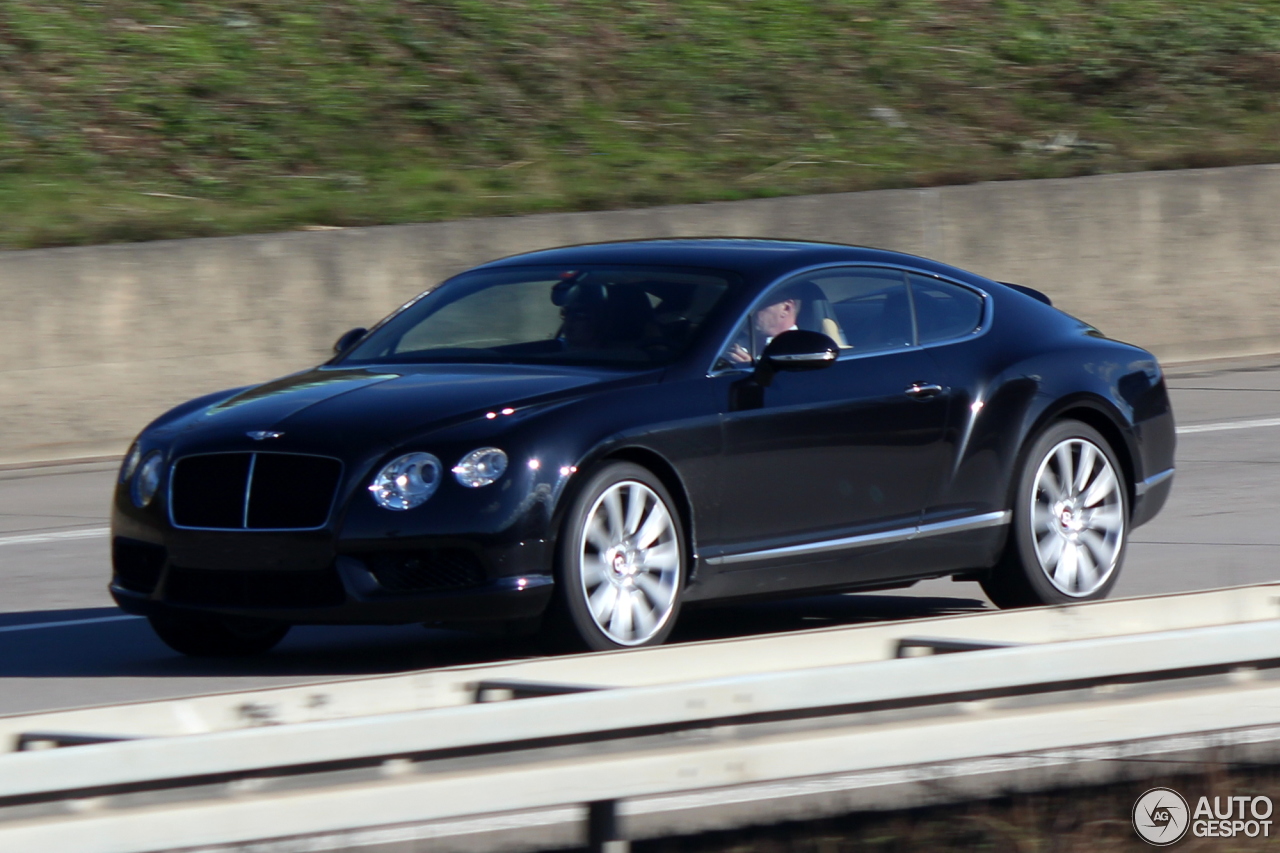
<point>1134,694</point>
<point>831,646</point>
<point>28,741</point>
<point>908,646</point>
<point>497,689</point>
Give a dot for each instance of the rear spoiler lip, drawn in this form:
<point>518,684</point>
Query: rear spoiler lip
<point>1029,291</point>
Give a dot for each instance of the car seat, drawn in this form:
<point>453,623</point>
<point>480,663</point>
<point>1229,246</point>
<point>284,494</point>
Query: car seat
<point>816,314</point>
<point>629,319</point>
<point>893,327</point>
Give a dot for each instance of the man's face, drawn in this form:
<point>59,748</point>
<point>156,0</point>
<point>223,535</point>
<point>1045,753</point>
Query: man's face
<point>773,320</point>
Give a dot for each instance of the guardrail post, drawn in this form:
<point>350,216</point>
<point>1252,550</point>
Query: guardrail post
<point>603,834</point>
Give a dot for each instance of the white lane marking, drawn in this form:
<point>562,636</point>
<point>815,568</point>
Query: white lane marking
<point>32,538</point>
<point>1216,427</point>
<point>34,626</point>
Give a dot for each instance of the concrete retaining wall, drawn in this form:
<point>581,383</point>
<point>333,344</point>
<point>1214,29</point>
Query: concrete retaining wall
<point>94,342</point>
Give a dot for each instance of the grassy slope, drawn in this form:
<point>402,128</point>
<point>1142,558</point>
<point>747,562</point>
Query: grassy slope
<point>282,113</point>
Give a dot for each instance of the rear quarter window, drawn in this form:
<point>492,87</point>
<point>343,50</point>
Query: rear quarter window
<point>944,310</point>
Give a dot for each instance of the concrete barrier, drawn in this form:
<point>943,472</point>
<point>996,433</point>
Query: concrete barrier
<point>94,342</point>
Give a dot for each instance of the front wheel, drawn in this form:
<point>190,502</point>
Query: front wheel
<point>1070,522</point>
<point>207,635</point>
<point>621,561</point>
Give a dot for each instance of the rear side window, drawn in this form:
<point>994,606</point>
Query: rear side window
<point>944,310</point>
<point>871,306</point>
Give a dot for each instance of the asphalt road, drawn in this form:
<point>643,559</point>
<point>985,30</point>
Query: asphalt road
<point>64,644</point>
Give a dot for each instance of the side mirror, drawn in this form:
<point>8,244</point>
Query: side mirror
<point>348,340</point>
<point>795,350</point>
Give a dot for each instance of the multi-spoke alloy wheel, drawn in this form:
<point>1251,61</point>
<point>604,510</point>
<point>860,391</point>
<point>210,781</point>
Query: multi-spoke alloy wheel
<point>623,566</point>
<point>1069,525</point>
<point>1077,517</point>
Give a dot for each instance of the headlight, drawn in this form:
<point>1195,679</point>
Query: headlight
<point>407,481</point>
<point>480,467</point>
<point>131,460</point>
<point>147,480</point>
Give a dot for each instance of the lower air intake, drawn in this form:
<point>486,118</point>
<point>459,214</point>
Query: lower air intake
<point>137,564</point>
<point>427,570</point>
<point>257,588</point>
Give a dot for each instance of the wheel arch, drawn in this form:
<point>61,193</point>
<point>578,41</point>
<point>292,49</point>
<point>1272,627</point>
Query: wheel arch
<point>1094,412</point>
<point>651,461</point>
<point>666,472</point>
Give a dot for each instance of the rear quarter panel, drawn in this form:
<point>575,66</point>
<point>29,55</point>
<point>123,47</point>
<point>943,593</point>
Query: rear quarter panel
<point>1037,365</point>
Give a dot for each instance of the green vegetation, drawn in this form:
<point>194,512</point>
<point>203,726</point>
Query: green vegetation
<point>143,119</point>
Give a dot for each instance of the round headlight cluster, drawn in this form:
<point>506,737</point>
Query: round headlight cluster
<point>147,480</point>
<point>480,467</point>
<point>407,481</point>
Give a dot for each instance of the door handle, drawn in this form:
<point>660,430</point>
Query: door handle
<point>923,390</point>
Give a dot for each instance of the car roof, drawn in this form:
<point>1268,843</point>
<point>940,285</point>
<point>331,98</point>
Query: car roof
<point>752,257</point>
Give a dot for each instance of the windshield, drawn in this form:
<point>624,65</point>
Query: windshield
<point>613,316</point>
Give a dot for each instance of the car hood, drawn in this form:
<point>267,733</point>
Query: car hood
<point>339,407</point>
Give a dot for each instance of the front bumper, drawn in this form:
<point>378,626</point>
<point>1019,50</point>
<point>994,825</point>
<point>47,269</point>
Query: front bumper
<point>468,555</point>
<point>499,600</point>
<point>315,578</point>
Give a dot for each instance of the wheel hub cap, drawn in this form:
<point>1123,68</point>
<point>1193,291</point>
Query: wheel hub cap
<point>1070,520</point>
<point>622,562</point>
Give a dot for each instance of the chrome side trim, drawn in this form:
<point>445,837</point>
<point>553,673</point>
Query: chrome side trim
<point>972,522</point>
<point>1151,482</point>
<point>938,528</point>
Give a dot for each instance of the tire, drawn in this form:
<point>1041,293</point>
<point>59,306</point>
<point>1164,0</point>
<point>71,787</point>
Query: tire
<point>207,635</point>
<point>1066,544</point>
<point>621,563</point>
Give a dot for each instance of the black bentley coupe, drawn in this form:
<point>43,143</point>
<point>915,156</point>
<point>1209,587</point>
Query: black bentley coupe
<point>587,438</point>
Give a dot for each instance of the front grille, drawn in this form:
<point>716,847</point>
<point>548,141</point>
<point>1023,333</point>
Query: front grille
<point>426,570</point>
<point>255,588</point>
<point>253,491</point>
<point>137,564</point>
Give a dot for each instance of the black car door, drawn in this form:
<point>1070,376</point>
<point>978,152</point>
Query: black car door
<point>826,473</point>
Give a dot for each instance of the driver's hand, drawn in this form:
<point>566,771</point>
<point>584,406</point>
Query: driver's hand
<point>739,354</point>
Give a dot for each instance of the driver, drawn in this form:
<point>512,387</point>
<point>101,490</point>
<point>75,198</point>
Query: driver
<point>583,315</point>
<point>582,326</point>
<point>770,321</point>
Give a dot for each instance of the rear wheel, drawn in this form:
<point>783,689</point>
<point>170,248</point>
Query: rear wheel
<point>621,562</point>
<point>1070,522</point>
<point>208,635</point>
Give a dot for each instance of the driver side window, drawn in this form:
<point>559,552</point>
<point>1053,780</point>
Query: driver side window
<point>792,304</point>
<point>863,309</point>
<point>742,350</point>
